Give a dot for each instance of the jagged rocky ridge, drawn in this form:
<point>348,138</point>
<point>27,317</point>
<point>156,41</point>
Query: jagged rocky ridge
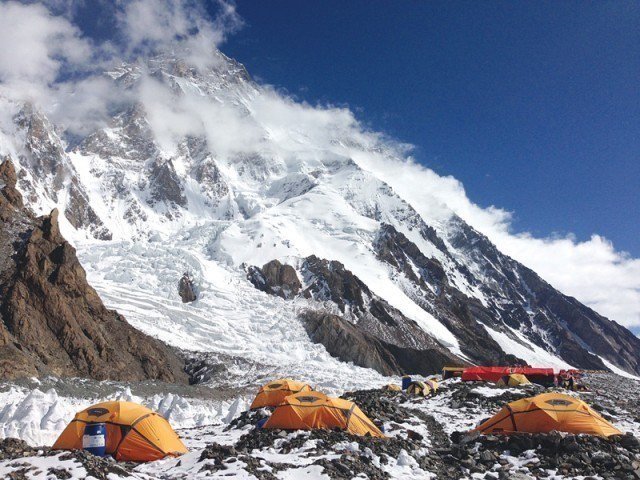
<point>395,343</point>
<point>551,319</point>
<point>286,202</point>
<point>518,297</point>
<point>53,322</point>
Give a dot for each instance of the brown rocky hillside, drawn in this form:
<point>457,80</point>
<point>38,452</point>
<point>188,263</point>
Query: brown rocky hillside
<point>53,321</point>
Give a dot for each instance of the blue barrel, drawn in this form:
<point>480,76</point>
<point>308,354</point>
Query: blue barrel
<point>406,380</point>
<point>94,439</point>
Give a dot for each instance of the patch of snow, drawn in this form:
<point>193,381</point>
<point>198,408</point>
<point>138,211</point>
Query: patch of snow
<point>617,370</point>
<point>522,348</point>
<point>312,472</point>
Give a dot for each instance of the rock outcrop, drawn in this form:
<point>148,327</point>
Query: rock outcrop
<point>186,289</point>
<point>165,184</point>
<point>53,321</point>
<point>365,329</point>
<point>346,341</point>
<point>276,279</point>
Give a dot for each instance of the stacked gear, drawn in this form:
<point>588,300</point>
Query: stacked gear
<point>452,372</point>
<point>423,389</point>
<point>392,387</point>
<point>513,380</point>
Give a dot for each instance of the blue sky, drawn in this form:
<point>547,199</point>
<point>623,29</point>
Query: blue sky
<point>534,106</point>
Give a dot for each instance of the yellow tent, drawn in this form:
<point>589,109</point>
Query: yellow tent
<point>546,412</point>
<point>273,393</point>
<point>392,387</point>
<point>134,433</point>
<point>513,380</point>
<point>423,388</point>
<point>315,410</point>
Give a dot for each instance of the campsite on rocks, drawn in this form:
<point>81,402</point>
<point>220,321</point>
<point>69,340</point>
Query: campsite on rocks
<point>203,275</point>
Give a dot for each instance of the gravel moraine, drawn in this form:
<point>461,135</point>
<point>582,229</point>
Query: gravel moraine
<point>427,438</point>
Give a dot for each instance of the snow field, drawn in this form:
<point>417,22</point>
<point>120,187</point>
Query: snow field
<point>38,417</point>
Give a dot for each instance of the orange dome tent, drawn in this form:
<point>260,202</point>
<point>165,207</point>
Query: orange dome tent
<point>315,410</point>
<point>134,433</point>
<point>273,393</point>
<point>546,412</point>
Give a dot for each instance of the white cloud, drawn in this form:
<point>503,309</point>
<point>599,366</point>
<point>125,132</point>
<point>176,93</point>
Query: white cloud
<point>38,47</point>
<point>35,46</point>
<point>592,271</point>
<point>82,106</point>
<point>182,25</point>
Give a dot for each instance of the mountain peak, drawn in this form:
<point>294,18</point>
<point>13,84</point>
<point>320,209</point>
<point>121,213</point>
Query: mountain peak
<point>204,164</point>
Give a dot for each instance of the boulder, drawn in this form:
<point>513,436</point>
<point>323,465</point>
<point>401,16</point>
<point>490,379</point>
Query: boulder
<point>186,289</point>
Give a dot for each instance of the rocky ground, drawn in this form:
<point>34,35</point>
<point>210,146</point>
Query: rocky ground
<point>427,438</point>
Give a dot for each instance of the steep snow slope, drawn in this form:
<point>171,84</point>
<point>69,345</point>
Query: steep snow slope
<point>206,171</point>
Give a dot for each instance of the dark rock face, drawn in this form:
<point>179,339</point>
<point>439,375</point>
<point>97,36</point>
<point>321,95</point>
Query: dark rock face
<point>53,322</point>
<point>571,330</point>
<point>165,184</point>
<point>186,289</point>
<point>347,342</point>
<point>369,332</point>
<point>330,281</point>
<point>81,215</point>
<point>10,200</point>
<point>344,341</point>
<point>276,279</point>
<point>459,313</point>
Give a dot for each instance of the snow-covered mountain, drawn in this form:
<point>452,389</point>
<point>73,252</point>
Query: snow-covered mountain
<point>211,173</point>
